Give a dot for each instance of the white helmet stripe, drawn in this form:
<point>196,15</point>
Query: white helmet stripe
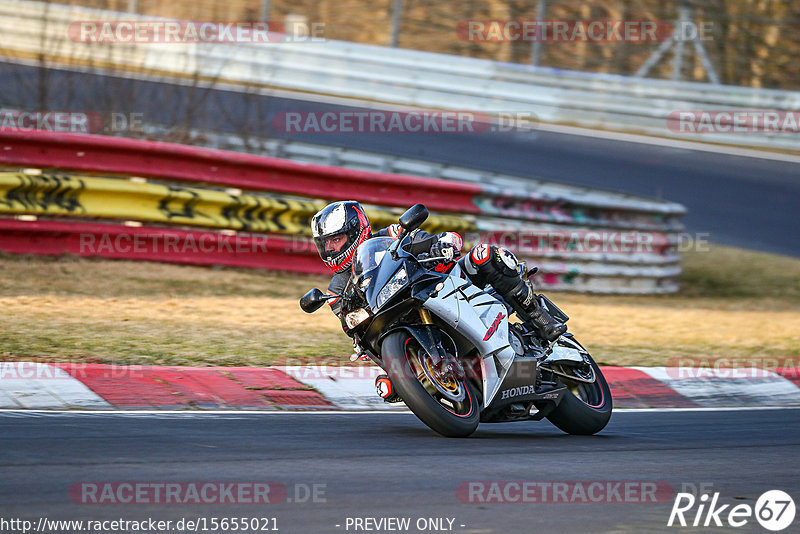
<point>334,222</point>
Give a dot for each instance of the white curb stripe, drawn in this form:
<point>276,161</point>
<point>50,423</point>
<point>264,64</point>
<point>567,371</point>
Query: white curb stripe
<point>38,385</point>
<point>721,387</point>
<point>6,400</point>
<point>350,388</point>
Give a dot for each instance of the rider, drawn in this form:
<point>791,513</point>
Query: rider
<point>339,228</point>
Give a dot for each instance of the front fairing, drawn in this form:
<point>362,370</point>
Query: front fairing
<point>483,321</point>
<point>474,313</point>
<point>375,267</point>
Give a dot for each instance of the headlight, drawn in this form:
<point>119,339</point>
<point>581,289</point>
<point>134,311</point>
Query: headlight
<point>355,318</point>
<point>397,282</point>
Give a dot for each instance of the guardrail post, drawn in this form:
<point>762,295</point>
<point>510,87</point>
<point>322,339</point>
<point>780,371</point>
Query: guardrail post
<point>677,59</point>
<point>264,15</point>
<point>396,19</point>
<point>701,51</point>
<point>536,47</point>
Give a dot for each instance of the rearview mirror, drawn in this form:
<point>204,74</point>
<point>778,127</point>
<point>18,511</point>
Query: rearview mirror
<point>413,217</point>
<point>313,300</point>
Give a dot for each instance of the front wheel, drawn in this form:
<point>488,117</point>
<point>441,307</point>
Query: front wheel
<point>447,405</point>
<point>585,408</point>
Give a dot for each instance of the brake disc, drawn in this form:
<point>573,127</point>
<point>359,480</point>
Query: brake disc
<point>449,386</point>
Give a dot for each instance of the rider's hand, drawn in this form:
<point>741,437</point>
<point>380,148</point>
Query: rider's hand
<point>443,249</point>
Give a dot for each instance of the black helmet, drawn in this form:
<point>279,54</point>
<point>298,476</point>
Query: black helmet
<point>333,223</point>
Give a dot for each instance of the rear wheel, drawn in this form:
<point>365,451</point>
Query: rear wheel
<point>446,404</point>
<point>586,407</point>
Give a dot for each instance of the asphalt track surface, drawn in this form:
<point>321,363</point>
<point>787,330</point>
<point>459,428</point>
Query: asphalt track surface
<point>733,200</point>
<point>390,465</point>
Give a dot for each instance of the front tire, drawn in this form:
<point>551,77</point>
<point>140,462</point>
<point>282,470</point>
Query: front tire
<point>402,355</point>
<point>584,409</point>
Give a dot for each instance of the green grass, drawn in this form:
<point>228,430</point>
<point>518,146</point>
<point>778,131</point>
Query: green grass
<point>729,273</point>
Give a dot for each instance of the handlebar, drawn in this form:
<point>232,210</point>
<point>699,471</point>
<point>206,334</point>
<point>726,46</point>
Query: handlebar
<point>426,260</point>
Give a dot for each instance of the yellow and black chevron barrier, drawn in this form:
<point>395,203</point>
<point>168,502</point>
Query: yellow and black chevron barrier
<point>112,198</point>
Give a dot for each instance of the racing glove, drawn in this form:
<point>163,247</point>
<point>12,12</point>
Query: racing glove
<point>444,249</point>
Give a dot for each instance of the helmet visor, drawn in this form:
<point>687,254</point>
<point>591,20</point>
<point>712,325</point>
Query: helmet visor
<point>330,247</point>
<point>334,244</point>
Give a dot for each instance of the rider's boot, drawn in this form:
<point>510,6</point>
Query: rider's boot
<point>524,297</point>
<point>385,389</point>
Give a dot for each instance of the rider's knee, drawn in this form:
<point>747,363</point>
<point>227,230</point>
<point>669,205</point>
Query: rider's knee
<point>492,264</point>
<point>487,259</point>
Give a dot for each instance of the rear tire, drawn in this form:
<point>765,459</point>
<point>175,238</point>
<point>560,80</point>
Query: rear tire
<point>398,360</point>
<point>588,415</point>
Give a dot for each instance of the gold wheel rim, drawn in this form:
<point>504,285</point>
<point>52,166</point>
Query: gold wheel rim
<point>450,384</point>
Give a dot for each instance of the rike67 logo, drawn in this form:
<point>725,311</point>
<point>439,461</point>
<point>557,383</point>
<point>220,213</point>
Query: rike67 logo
<point>774,510</point>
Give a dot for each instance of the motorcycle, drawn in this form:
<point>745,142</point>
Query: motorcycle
<point>452,353</point>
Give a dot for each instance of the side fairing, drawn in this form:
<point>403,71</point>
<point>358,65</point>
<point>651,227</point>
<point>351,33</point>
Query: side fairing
<point>483,320</point>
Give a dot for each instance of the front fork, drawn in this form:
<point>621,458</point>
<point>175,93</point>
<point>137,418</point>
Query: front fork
<point>444,362</point>
<point>425,315</point>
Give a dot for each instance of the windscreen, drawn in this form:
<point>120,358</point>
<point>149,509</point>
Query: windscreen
<point>370,253</point>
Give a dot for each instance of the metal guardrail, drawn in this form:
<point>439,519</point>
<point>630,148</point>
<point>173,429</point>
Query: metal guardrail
<point>402,77</point>
<point>528,187</point>
<point>170,161</point>
<point>487,205</point>
<point>629,211</point>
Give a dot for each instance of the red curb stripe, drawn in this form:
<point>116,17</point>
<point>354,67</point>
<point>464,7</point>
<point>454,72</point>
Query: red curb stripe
<point>632,388</point>
<point>186,385</point>
<point>278,387</point>
<point>210,388</point>
<point>204,387</point>
<point>264,378</point>
<point>298,398</point>
<point>130,386</point>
